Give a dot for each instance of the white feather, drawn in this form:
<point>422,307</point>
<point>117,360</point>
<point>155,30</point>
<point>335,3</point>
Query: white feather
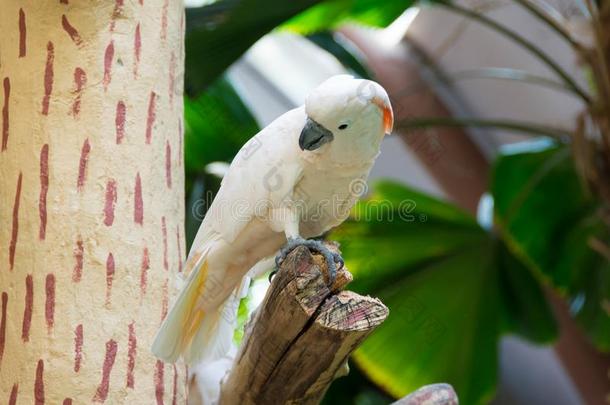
<point>214,339</point>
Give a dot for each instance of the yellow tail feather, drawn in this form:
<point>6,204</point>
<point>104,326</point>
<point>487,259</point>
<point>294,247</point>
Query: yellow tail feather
<point>183,320</point>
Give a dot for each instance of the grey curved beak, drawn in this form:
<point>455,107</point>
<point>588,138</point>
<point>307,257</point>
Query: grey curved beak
<point>314,135</point>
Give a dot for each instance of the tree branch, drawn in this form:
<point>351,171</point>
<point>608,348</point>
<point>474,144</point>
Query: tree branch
<point>299,340</point>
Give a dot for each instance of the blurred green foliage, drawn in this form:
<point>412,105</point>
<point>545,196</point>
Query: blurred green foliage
<point>551,224</point>
<point>217,124</point>
<point>218,34</point>
<point>453,288</point>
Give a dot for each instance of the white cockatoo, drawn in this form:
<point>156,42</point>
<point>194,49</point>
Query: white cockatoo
<point>294,180</point>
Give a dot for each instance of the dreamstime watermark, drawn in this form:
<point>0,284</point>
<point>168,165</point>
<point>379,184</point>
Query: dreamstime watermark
<point>336,208</point>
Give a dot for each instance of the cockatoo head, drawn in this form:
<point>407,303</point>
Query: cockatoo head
<point>346,118</point>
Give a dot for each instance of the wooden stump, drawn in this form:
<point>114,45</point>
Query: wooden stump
<point>301,337</point>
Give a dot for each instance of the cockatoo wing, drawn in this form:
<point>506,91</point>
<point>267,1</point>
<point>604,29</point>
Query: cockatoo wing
<point>263,174</point>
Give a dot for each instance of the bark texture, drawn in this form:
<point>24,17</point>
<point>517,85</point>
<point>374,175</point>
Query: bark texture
<point>301,337</point>
<point>91,199</point>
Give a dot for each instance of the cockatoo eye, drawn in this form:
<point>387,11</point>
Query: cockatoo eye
<point>342,126</point>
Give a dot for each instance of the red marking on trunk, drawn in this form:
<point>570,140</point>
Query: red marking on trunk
<point>179,248</point>
<point>150,119</point>
<point>22,33</point>
<point>109,276</point>
<point>164,299</point>
<point>80,79</point>
<point>164,231</point>
<point>82,165</point>
<point>108,57</point>
<point>39,384</point>
<point>180,136</point>
<point>48,78</point>
<point>5,122</point>
<point>12,400</point>
<point>175,390</point>
<point>63,1</point>
<point>143,271</point>
<point>172,79</point>
<point>44,189</point>
<point>78,347</point>
<point>131,354</point>
<point>164,19</point>
<point>138,208</point>
<point>102,390</point>
<point>116,13</point>
<point>168,165</point>
<point>110,202</point>
<point>78,252</point>
<point>27,312</point>
<point>67,401</point>
<point>119,121</point>
<point>3,324</point>
<point>159,386</point>
<point>15,230</point>
<point>137,49</point>
<point>49,306</point>
<point>182,31</point>
<point>72,32</point>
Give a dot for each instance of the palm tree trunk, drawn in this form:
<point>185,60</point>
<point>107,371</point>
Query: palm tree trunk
<point>91,199</point>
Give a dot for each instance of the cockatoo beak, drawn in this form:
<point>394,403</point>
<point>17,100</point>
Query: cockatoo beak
<point>388,114</point>
<point>314,135</point>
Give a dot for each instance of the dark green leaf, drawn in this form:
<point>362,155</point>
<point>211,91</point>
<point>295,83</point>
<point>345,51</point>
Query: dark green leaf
<point>549,221</point>
<point>526,310</point>
<point>218,34</point>
<point>538,199</point>
<point>341,49</point>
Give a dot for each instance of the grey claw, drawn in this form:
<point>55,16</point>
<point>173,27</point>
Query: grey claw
<point>332,259</point>
<point>287,248</point>
<point>330,262</point>
<point>339,260</point>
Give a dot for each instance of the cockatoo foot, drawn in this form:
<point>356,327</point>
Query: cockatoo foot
<point>333,260</point>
